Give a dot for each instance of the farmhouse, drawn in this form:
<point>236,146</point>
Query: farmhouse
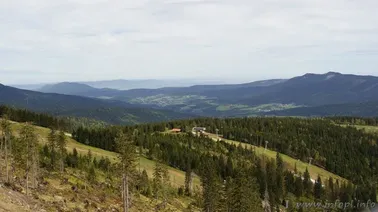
<point>175,130</point>
<point>199,129</point>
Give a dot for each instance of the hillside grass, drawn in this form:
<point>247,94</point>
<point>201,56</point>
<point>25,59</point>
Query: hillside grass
<point>366,128</point>
<point>289,161</point>
<point>177,177</point>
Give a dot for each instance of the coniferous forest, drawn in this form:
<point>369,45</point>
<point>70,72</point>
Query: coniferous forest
<point>344,151</point>
<point>67,124</point>
<point>233,177</point>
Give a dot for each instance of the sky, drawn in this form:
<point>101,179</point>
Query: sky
<point>235,40</point>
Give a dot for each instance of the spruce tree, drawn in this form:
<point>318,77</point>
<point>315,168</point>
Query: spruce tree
<point>289,182</point>
<point>144,183</point>
<point>91,175</point>
<point>157,186</point>
<point>61,142</point>
<point>188,179</point>
<point>272,181</point>
<point>229,167</point>
<point>75,158</point>
<point>211,187</point>
<point>298,191</point>
<point>6,138</point>
<point>318,189</point>
<point>128,157</point>
<point>29,140</point>
<point>331,190</point>
<point>280,179</point>
<point>244,196</point>
<point>52,143</point>
<point>307,184</point>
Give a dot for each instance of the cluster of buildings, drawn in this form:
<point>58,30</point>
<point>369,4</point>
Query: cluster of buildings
<point>195,130</point>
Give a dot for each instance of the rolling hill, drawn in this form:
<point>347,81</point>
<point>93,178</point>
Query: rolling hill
<point>78,89</point>
<point>122,84</point>
<point>309,89</point>
<point>67,88</point>
<point>310,94</point>
<point>111,111</point>
<point>364,109</point>
<point>318,89</point>
<point>57,192</point>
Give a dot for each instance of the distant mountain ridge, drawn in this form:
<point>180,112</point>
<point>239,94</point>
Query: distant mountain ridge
<point>66,88</point>
<point>73,88</point>
<point>123,84</point>
<point>111,111</point>
<point>85,90</point>
<point>319,89</point>
<point>246,99</point>
<point>309,93</point>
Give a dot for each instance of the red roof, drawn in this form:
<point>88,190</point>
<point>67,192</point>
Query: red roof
<point>176,130</point>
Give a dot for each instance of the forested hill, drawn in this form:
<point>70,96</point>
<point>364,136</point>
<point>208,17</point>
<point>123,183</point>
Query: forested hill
<point>365,109</point>
<point>343,151</point>
<point>68,124</point>
<point>308,95</point>
<point>233,173</point>
<point>112,112</point>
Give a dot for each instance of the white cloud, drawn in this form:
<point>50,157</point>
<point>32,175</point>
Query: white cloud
<point>245,39</point>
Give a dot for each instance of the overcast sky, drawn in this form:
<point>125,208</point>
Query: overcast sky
<point>244,40</point>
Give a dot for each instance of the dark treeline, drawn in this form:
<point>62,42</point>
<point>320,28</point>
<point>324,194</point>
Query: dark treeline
<point>68,124</point>
<point>343,151</point>
<point>40,119</point>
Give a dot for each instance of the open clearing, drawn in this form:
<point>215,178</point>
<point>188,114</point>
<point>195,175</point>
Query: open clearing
<point>366,128</point>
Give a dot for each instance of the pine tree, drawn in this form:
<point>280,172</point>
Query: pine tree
<point>272,181</point>
<point>51,140</point>
<point>128,157</point>
<point>280,191</point>
<point>298,191</point>
<point>261,177</point>
<point>6,135</point>
<point>331,190</point>
<point>244,196</point>
<point>144,184</point>
<point>157,180</point>
<point>28,138</point>
<point>307,184</point>
<point>211,187</point>
<point>188,179</point>
<point>318,188</point>
<point>75,158</point>
<point>91,175</point>
<point>61,142</point>
<point>229,167</point>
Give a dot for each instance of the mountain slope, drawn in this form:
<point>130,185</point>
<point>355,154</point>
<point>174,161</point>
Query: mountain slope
<point>320,89</point>
<point>71,190</point>
<point>78,89</point>
<point>366,109</point>
<point>145,83</point>
<point>254,98</point>
<point>308,90</point>
<point>115,112</point>
<point>52,102</point>
<point>66,88</point>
